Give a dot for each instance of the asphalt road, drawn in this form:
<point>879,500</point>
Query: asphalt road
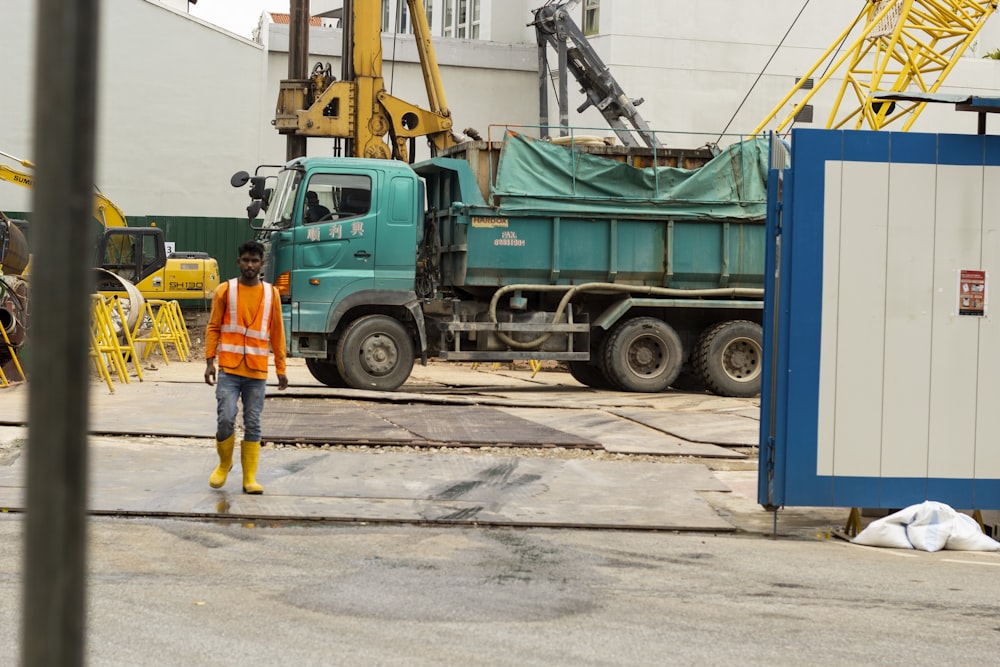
<point>167,592</point>
<point>230,591</point>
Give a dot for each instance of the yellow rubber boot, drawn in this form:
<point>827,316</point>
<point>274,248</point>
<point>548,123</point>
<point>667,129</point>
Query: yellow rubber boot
<point>225,449</point>
<point>249,454</point>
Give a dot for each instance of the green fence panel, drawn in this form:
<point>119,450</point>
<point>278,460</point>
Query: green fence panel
<point>219,237</point>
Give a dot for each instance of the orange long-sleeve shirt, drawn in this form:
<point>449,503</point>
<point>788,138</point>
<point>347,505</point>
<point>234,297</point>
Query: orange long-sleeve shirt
<point>249,299</point>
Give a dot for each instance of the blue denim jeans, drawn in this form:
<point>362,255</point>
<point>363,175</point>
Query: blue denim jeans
<point>228,390</point>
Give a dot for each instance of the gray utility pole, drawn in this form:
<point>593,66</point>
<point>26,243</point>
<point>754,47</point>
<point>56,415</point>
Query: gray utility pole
<point>298,65</point>
<point>62,280</point>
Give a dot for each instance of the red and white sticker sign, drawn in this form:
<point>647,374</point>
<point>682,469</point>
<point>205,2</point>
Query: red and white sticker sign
<point>972,292</point>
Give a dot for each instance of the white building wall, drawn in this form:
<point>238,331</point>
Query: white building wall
<point>183,104</point>
<point>178,108</point>
<point>694,63</point>
<point>507,20</point>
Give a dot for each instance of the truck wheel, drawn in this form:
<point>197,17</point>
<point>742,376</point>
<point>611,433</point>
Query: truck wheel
<point>589,374</point>
<point>375,352</point>
<point>326,372</point>
<point>689,381</point>
<point>643,354</point>
<point>728,358</point>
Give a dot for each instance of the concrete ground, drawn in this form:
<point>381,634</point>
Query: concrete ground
<point>455,445</point>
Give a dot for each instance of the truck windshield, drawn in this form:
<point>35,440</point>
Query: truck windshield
<point>279,213</point>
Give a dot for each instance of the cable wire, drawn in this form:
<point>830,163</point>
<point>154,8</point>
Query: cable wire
<point>761,74</point>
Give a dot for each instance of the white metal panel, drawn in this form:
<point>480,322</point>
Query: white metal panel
<point>825,431</point>
<point>954,363</point>
<point>908,321</point>
<point>861,319</point>
<point>940,219</point>
<point>987,458</point>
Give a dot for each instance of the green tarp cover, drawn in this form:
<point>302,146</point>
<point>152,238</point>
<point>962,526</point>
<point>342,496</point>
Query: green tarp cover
<point>535,175</point>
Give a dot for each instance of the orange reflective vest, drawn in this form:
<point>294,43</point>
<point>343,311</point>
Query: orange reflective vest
<point>237,341</point>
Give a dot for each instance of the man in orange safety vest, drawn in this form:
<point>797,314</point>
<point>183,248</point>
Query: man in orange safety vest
<point>245,322</point>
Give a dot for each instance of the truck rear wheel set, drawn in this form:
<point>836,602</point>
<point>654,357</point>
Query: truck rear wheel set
<point>727,358</point>
<point>644,354</point>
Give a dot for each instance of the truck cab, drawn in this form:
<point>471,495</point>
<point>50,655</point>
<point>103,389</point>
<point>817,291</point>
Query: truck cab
<point>341,238</point>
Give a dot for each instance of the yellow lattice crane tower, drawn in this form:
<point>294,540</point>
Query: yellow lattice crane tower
<point>904,46</point>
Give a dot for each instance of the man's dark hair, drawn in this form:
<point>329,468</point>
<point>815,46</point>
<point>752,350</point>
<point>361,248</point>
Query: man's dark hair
<point>252,247</point>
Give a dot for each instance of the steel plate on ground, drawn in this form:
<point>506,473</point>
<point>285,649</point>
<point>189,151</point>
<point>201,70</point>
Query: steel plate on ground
<point>328,421</point>
<point>477,425</point>
<point>394,487</point>
<point>715,428</point>
<point>620,435</point>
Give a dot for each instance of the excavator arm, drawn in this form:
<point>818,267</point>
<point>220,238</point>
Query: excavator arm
<point>106,211</point>
<point>358,107</point>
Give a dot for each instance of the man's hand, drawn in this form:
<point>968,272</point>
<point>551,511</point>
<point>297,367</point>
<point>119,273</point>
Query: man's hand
<point>210,371</point>
<point>282,382</point>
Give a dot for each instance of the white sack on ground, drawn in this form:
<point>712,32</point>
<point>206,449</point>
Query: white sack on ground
<point>929,526</point>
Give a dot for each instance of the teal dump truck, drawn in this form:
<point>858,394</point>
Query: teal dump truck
<point>637,278</point>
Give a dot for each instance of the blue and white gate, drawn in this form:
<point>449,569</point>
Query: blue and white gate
<point>882,347</point>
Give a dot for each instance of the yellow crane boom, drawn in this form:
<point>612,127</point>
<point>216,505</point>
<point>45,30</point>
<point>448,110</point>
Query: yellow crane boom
<point>903,46</point>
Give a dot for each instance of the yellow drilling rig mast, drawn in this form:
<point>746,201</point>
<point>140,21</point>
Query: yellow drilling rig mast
<point>358,108</point>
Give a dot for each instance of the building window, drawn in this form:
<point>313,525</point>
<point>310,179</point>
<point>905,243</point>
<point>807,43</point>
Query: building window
<point>461,19</point>
<point>591,17</point>
<point>389,10</point>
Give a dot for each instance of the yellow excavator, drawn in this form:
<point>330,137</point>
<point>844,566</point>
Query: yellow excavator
<point>136,254</point>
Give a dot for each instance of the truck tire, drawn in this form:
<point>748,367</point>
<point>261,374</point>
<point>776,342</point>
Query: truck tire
<point>326,372</point>
<point>375,352</point>
<point>588,373</point>
<point>728,358</point>
<point>643,354</point>
<point>689,381</point>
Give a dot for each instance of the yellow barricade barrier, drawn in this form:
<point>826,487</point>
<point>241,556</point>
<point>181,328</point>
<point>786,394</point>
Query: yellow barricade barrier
<point>166,326</point>
<point>533,363</point>
<point>106,349</point>
<point>146,334</point>
<point>179,328</point>
<point>126,333</point>
<point>4,381</point>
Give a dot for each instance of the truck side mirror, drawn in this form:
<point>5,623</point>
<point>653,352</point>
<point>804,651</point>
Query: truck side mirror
<point>257,187</point>
<point>254,208</point>
<point>239,179</point>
